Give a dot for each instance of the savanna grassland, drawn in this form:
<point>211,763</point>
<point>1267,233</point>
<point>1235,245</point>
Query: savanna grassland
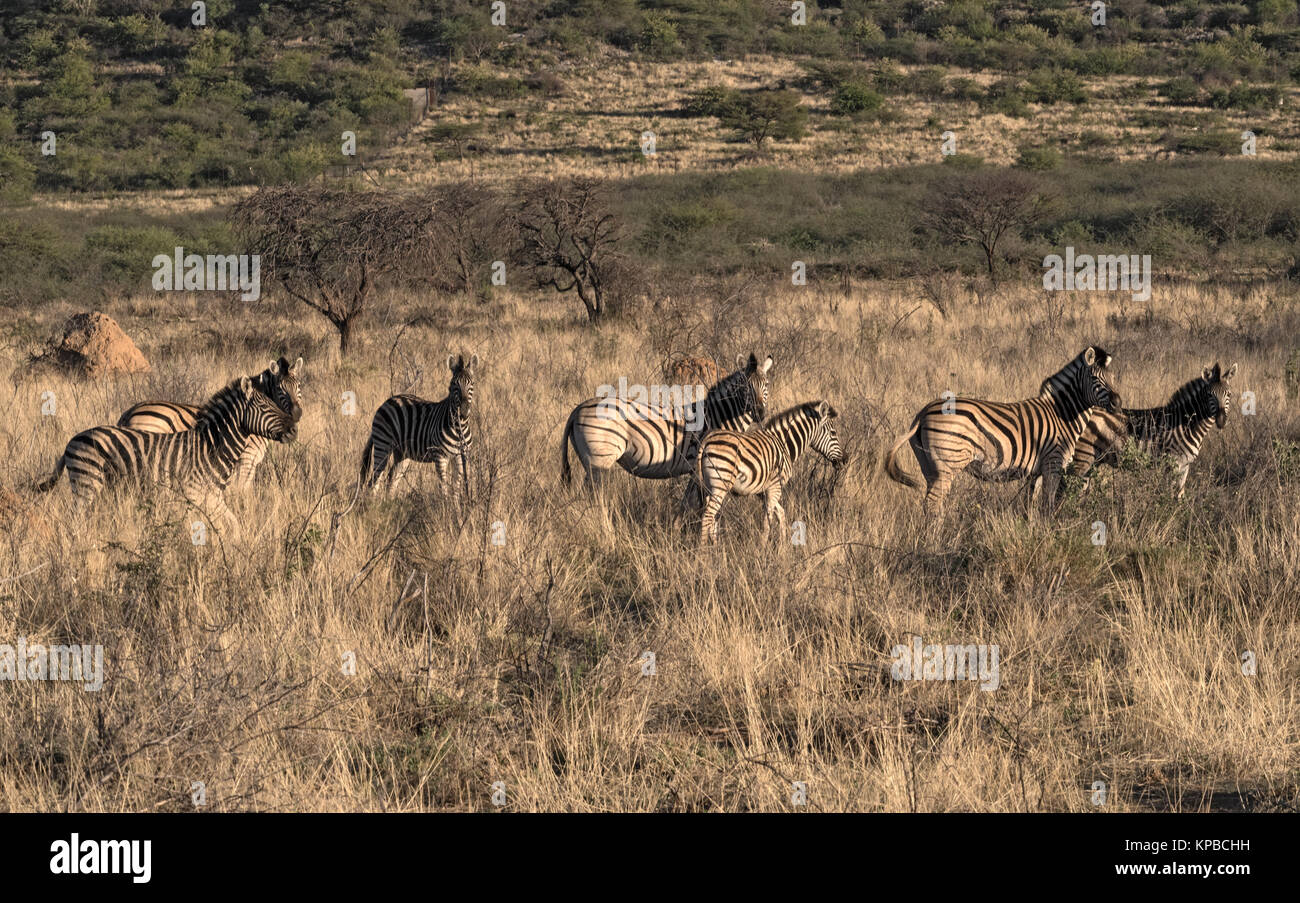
<point>521,662</point>
<point>417,652</point>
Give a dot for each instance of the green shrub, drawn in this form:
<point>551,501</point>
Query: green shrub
<point>17,175</point>
<point>1039,159</point>
<point>658,38</point>
<point>855,97</point>
<point>1182,91</point>
<point>1053,87</point>
<point>125,254</point>
<point>711,101</point>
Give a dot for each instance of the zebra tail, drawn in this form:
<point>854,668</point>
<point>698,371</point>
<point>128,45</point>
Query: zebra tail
<point>566,474</point>
<point>891,463</point>
<point>49,484</point>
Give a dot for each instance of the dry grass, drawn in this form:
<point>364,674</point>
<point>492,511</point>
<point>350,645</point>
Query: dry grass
<point>595,127</point>
<point>520,663</point>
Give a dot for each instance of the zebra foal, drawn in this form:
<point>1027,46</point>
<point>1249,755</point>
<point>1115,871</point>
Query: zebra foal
<point>1175,430</point>
<point>408,428</point>
<point>762,460</point>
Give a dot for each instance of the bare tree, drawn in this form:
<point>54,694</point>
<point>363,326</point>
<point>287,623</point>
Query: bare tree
<point>982,207</point>
<point>569,238</point>
<point>329,248</point>
<point>471,229</point>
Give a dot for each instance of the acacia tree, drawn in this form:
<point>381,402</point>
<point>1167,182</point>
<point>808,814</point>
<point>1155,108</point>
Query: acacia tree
<point>329,248</point>
<point>982,207</point>
<point>471,228</point>
<point>568,238</point>
<point>765,114</point>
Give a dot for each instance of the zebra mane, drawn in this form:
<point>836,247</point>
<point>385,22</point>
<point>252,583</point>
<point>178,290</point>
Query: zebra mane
<point>1190,389</point>
<point>263,381</point>
<point>789,414</point>
<point>729,386</point>
<point>1067,374</point>
<point>228,397</point>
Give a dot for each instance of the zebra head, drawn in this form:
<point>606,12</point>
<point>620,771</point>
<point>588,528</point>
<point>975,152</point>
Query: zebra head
<point>752,383</point>
<point>281,383</point>
<point>257,415</point>
<point>1094,380</point>
<point>825,436</point>
<point>461,391</point>
<point>1215,396</point>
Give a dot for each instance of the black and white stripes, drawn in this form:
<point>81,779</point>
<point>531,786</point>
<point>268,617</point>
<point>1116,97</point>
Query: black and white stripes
<point>1175,430</point>
<point>281,382</point>
<point>1007,441</point>
<point>762,460</point>
<point>407,428</point>
<point>199,461</point>
<point>656,442</point>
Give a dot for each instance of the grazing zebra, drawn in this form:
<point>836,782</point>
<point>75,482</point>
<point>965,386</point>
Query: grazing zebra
<point>280,382</point>
<point>762,460</point>
<point>1176,430</point>
<point>407,428</point>
<point>998,441</point>
<point>654,441</point>
<point>200,461</point>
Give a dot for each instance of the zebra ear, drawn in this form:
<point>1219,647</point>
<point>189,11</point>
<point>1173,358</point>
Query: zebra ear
<point>296,368</point>
<point>1210,374</point>
<point>767,364</point>
<point>1090,356</point>
<point>246,386</point>
<point>1232,371</point>
<point>451,362</point>
<point>274,369</point>
<point>825,409</point>
<point>751,365</point>
<point>473,361</point>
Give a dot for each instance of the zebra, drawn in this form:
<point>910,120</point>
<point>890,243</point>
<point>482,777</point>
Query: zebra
<point>200,461</point>
<point>655,442</point>
<point>408,428</point>
<point>998,441</point>
<point>1177,429</point>
<point>762,460</point>
<point>281,382</point>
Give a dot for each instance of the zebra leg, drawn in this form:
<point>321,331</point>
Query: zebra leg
<point>378,463</point>
<point>209,502</point>
<point>936,491</point>
<point>774,507</point>
<point>396,472</point>
<point>442,466</point>
<point>709,519</point>
<point>1051,484</point>
<point>252,456</point>
<point>1181,486</point>
<point>691,498</point>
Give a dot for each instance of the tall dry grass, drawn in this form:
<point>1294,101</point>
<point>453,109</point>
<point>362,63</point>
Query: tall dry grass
<point>521,663</point>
